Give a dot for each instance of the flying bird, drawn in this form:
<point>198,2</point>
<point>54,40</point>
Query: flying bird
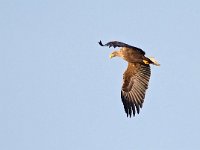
<point>135,78</point>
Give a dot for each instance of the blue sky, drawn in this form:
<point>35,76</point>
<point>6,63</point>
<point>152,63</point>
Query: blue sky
<point>60,90</point>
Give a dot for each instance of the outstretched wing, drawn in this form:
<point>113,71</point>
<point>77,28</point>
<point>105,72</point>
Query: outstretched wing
<point>135,84</point>
<point>121,44</point>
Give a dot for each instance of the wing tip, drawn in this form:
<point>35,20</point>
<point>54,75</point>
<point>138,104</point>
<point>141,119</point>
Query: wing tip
<point>100,43</point>
<point>129,107</point>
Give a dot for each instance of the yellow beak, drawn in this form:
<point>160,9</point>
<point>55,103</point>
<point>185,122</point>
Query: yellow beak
<point>111,56</point>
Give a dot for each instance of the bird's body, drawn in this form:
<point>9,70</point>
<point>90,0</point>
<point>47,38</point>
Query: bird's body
<point>135,78</point>
<point>131,56</point>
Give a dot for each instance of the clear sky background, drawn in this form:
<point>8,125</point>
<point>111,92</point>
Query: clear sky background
<point>60,91</point>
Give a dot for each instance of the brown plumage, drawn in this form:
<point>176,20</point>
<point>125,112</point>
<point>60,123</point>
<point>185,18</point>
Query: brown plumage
<point>135,78</point>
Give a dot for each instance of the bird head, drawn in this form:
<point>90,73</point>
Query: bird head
<point>114,54</point>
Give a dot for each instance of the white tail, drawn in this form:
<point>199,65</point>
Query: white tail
<point>154,61</point>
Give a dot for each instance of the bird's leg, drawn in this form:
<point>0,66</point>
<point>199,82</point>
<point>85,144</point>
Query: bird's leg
<point>146,62</point>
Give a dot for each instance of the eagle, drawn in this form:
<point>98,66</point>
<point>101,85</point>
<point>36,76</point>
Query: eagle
<point>135,78</point>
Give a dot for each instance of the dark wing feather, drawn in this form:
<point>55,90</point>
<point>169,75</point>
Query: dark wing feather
<point>135,84</point>
<point>121,44</point>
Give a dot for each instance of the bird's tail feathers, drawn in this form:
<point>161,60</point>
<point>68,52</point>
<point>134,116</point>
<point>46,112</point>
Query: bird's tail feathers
<point>154,61</point>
